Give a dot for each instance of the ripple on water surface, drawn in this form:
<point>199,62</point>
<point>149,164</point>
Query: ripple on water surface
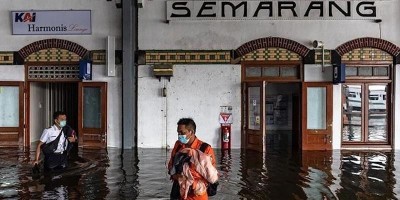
<point>142,174</point>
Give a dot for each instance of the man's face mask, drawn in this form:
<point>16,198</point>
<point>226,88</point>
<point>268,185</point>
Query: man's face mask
<point>63,123</point>
<point>183,139</point>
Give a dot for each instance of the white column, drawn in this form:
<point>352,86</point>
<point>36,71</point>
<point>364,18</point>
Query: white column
<point>396,104</point>
<point>337,120</point>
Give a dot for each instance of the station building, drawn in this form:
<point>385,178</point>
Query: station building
<point>42,44</point>
<point>307,75</point>
<point>310,75</point>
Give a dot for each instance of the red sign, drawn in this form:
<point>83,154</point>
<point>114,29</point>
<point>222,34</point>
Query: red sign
<point>225,118</point>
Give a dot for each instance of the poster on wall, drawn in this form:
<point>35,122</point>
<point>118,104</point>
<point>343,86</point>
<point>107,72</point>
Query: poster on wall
<point>51,22</point>
<point>254,108</point>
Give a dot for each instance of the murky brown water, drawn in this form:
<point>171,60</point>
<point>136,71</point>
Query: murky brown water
<point>141,174</point>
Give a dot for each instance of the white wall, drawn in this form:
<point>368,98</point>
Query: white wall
<point>195,91</point>
<point>396,100</point>
<point>114,102</point>
<point>154,33</point>
<point>12,73</point>
<point>337,117</point>
<point>37,110</point>
<point>314,73</point>
<point>106,20</point>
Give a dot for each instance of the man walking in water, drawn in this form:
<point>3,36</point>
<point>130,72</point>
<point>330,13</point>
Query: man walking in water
<point>55,143</point>
<point>187,139</point>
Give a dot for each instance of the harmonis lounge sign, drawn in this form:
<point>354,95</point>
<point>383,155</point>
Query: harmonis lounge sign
<point>51,22</point>
<point>273,10</point>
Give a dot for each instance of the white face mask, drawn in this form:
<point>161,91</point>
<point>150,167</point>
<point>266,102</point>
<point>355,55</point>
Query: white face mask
<point>62,123</point>
<point>183,139</point>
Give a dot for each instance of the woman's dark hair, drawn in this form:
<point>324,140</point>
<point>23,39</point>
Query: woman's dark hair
<point>57,114</point>
<point>189,124</point>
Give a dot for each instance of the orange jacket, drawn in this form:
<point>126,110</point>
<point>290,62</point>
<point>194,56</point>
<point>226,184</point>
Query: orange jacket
<point>195,145</point>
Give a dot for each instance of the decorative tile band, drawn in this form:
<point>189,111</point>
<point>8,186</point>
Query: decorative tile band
<point>367,54</point>
<point>6,58</point>
<point>271,54</point>
<point>53,55</point>
<point>188,57</point>
<point>52,43</point>
<point>58,72</point>
<point>318,56</point>
<point>98,57</point>
<point>377,43</point>
<point>269,42</point>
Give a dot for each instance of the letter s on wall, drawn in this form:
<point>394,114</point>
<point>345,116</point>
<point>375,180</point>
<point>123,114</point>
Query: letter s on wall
<point>180,6</point>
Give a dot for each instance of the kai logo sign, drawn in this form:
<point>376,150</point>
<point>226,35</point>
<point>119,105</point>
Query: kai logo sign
<point>51,22</point>
<point>25,17</point>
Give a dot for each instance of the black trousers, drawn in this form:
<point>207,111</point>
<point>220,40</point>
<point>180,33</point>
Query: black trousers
<point>175,194</point>
<point>55,161</point>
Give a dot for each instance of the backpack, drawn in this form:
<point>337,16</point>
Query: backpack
<point>212,187</point>
<point>51,147</point>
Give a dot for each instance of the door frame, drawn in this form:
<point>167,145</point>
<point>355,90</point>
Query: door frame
<point>364,103</point>
<point>20,129</point>
<point>298,64</point>
<point>246,131</point>
<point>320,134</point>
<point>81,129</point>
<point>27,83</point>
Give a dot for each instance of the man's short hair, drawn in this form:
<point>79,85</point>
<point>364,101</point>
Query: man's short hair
<point>189,124</point>
<point>57,114</point>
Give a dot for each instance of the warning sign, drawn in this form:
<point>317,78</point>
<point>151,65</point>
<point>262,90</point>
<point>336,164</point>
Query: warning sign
<point>225,118</point>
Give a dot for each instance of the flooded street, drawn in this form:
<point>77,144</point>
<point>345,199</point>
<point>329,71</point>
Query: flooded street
<point>142,174</point>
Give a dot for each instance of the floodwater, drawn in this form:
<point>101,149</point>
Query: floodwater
<point>141,174</point>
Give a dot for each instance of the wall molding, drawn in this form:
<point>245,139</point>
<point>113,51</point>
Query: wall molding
<point>271,42</point>
<point>378,43</point>
<point>52,43</point>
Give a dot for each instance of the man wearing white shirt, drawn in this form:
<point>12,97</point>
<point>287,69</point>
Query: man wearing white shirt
<point>55,155</point>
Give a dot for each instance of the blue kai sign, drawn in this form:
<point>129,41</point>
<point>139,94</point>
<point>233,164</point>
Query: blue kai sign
<point>51,22</point>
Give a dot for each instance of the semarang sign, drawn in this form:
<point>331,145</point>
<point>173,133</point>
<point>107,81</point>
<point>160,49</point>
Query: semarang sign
<point>272,10</point>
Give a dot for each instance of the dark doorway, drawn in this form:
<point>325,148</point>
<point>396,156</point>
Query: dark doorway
<point>282,116</point>
<point>47,97</point>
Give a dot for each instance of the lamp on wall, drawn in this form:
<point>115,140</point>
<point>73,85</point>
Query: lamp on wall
<point>140,3</point>
<point>320,44</point>
<point>163,70</point>
<point>378,21</point>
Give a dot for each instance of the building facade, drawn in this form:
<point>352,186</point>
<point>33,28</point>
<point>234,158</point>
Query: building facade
<point>274,63</point>
<point>41,47</point>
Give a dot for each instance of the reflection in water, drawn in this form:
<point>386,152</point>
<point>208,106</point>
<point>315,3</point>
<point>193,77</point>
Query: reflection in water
<point>142,174</point>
